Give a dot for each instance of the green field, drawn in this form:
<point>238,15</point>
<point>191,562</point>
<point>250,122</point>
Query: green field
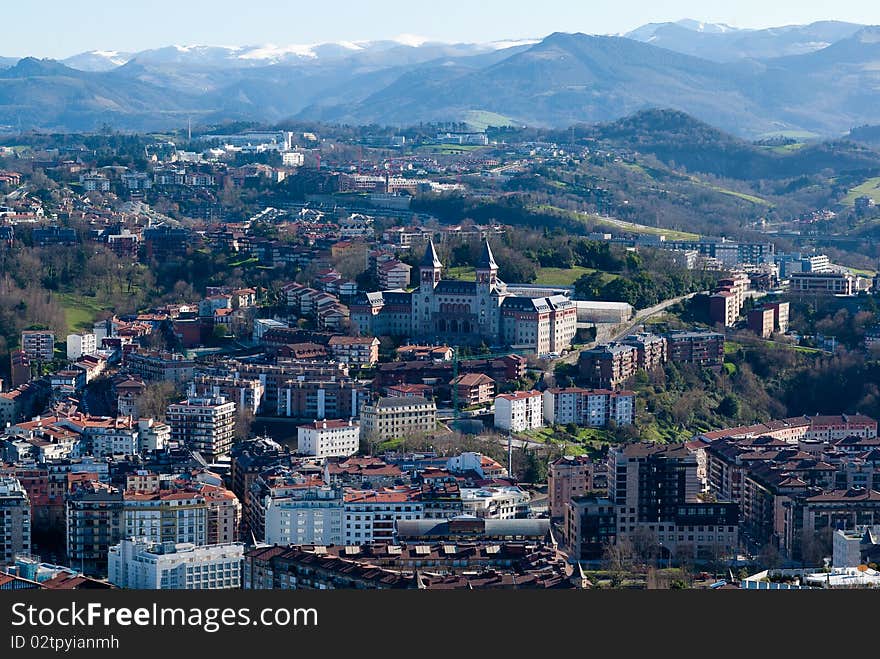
<point>451,149</point>
<point>792,134</point>
<point>733,193</point>
<point>482,119</point>
<point>79,312</point>
<point>546,276</point>
<point>869,188</point>
<point>631,227</point>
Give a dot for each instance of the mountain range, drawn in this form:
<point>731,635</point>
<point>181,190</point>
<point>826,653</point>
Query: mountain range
<point>819,79</point>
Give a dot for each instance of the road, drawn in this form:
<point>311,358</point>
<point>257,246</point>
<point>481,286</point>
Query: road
<point>617,332</point>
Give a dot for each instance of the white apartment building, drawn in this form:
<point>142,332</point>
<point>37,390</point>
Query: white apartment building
<point>153,435</point>
<point>519,411</point>
<point>371,515</point>
<point>329,438</point>
<point>138,563</point>
<point>81,343</point>
<point>292,158</point>
<point>313,516</point>
<point>588,407</point>
<point>204,424</point>
<point>510,502</point>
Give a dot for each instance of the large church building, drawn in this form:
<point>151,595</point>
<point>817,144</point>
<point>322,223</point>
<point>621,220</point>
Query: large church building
<point>468,312</point>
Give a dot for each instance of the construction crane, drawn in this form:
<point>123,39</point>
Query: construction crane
<point>456,360</point>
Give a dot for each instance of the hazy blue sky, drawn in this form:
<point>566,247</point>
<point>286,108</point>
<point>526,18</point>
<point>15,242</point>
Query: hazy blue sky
<point>58,28</point>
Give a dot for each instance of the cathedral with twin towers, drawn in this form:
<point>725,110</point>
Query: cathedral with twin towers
<point>467,312</point>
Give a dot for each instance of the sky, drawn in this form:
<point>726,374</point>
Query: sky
<point>60,28</point>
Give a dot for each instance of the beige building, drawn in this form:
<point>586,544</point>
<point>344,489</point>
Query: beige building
<point>398,417</point>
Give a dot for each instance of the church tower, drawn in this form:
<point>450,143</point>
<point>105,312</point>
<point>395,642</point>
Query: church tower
<point>489,296</point>
<point>487,269</point>
<point>424,304</point>
<point>429,268</point>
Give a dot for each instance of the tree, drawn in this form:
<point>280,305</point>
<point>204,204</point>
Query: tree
<point>154,402</point>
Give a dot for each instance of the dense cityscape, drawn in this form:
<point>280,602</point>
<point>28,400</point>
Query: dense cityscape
<point>449,355</point>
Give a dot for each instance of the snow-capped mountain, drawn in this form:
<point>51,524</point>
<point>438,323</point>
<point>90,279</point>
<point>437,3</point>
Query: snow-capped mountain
<point>212,56</point>
<point>97,60</point>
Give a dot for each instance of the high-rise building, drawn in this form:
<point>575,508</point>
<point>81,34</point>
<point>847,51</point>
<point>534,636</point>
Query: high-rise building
<point>15,520</point>
<point>205,424</point>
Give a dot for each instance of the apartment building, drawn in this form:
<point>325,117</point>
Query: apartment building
<point>329,438</point>
<point>157,366</point>
<point>651,350</point>
<point>588,407</point>
<point>473,389</point>
<point>398,417</point>
<point>568,477</point>
<point>138,563</point>
<point>371,515</point>
<point>15,520</point>
<point>823,283</point>
<point>338,398</point>
<point>38,344</point>
<point>700,347</point>
<point>246,393</point>
<point>769,318</point>
<point>658,494</point>
<point>495,502</point>
<point>608,366</point>
<point>81,343</point>
<point>307,515</point>
<point>93,514</point>
<point>355,350</point>
<point>519,411</point>
<point>205,424</point>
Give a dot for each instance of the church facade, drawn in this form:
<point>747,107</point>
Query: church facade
<point>468,313</point>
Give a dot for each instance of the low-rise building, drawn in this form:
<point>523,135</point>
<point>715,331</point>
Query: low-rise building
<point>473,389</point>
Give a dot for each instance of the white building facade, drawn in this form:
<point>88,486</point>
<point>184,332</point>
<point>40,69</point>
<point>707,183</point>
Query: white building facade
<point>138,563</point>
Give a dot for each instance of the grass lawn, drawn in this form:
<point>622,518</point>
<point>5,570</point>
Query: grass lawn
<point>482,119</point>
<point>79,311</point>
<point>733,193</point>
<point>546,276</point>
<point>585,441</point>
<point>869,188</point>
<point>631,227</point>
<point>450,149</point>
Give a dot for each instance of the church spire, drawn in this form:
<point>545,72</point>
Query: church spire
<point>430,259</point>
<point>487,259</point>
